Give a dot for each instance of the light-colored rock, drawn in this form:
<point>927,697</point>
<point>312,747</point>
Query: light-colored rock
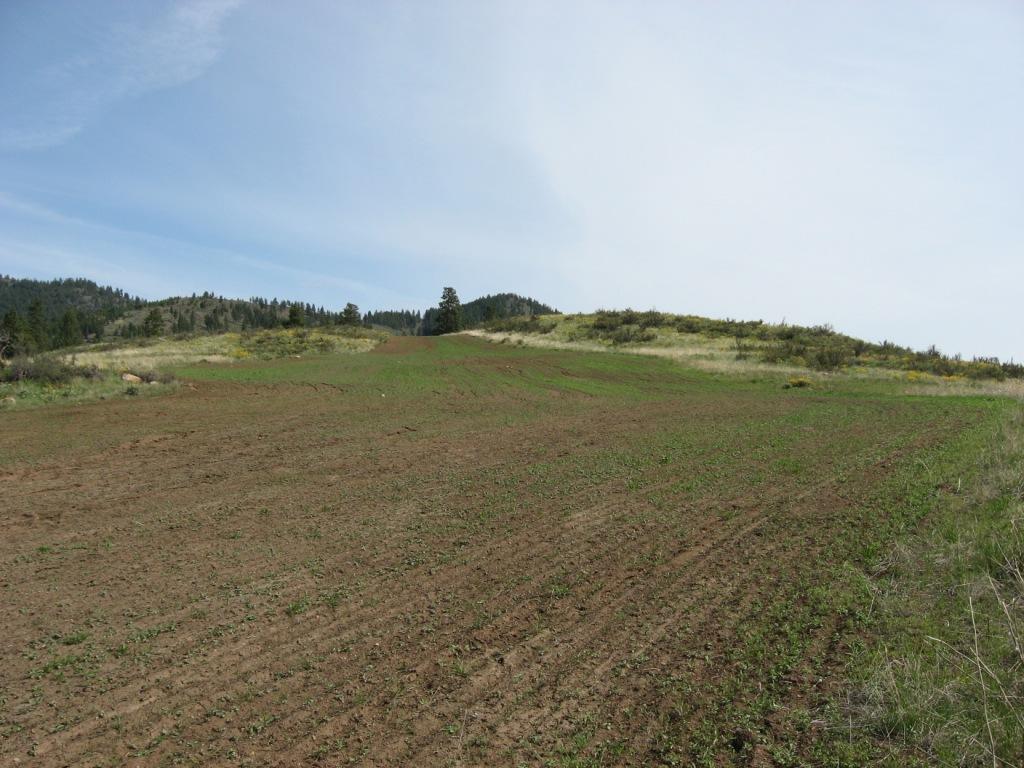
<point>8,400</point>
<point>130,377</point>
<point>154,382</point>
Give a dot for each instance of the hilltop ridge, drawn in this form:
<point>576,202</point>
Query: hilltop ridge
<point>40,315</point>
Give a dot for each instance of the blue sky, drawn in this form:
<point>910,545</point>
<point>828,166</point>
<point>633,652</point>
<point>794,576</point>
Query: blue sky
<point>852,163</point>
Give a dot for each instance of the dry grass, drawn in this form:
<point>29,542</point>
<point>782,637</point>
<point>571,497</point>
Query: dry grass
<point>714,355</point>
<point>161,354</point>
<point>938,385</point>
<point>718,355</point>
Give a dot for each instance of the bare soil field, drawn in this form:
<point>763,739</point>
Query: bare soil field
<point>449,552</point>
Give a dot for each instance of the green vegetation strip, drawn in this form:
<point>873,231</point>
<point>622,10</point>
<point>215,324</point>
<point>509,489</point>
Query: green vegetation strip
<point>942,679</point>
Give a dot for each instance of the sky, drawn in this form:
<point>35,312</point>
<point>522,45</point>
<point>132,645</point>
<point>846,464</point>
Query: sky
<point>852,163</point>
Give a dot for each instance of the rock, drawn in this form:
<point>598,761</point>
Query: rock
<point>8,400</point>
<point>131,378</point>
<point>153,382</point>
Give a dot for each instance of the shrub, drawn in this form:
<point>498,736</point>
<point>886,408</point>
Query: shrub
<point>531,324</point>
<point>829,358</point>
<point>743,349</point>
<point>688,324</point>
<point>783,352</point>
<point>46,370</point>
<point>797,382</point>
<point>605,320</point>
<point>652,319</point>
<point>160,377</point>
<point>631,334</point>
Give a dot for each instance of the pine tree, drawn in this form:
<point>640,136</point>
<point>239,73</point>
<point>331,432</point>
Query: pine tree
<point>449,319</point>
<point>350,314</point>
<point>15,336</point>
<point>37,325</point>
<point>153,325</point>
<point>296,316</point>
<point>69,332</point>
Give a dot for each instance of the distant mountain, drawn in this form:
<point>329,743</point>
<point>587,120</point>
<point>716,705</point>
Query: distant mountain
<point>486,308</point>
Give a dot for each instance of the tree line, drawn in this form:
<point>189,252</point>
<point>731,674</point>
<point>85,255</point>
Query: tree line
<point>37,316</point>
<point>451,315</point>
<point>207,313</point>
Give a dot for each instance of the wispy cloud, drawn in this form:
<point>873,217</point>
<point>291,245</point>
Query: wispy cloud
<point>127,59</point>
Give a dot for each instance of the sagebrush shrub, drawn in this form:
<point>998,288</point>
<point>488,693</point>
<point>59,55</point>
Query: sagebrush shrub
<point>46,370</point>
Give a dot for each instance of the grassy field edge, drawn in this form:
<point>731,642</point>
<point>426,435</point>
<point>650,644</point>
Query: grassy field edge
<point>937,677</point>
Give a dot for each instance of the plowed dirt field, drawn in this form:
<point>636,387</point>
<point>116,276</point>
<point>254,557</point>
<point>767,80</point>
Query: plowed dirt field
<point>447,552</point>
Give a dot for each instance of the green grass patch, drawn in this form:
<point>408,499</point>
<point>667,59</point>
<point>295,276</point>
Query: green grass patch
<point>105,385</point>
<point>941,679</point>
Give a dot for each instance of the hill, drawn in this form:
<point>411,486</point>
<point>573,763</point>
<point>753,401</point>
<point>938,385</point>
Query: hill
<point>474,313</point>
<point>490,308</point>
<point>406,322</point>
<point>48,313</point>
<point>39,315</point>
<point>70,311</point>
<point>57,296</point>
<point>207,313</point>
<point>734,343</point>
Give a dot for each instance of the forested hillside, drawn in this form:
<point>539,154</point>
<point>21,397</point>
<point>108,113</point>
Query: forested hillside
<point>207,313</point>
<point>474,313</point>
<point>403,321</point>
<point>37,315</point>
<point>489,308</point>
<point>56,296</point>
